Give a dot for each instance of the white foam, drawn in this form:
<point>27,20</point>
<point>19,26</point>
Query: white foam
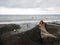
<point>21,22</point>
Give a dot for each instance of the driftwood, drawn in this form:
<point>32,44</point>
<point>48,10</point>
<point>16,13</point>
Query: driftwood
<point>47,37</point>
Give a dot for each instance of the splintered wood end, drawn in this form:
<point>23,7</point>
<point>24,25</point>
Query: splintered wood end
<point>41,23</point>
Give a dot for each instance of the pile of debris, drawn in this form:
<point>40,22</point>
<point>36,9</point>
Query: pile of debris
<point>30,37</point>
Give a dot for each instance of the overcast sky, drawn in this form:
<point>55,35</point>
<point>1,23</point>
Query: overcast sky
<point>29,6</point>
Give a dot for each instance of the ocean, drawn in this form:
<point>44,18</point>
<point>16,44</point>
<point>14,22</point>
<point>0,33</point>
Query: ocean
<point>28,18</point>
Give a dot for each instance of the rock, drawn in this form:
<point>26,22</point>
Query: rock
<point>8,27</point>
<point>5,31</point>
<point>29,37</point>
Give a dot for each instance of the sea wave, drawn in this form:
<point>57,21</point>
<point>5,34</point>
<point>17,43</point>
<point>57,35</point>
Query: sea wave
<point>21,22</point>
